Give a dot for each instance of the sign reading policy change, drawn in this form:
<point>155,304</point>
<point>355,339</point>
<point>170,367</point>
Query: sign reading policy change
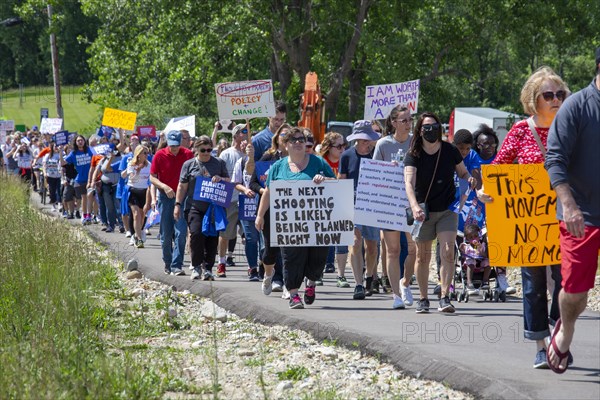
<point>306,214</point>
<point>245,100</point>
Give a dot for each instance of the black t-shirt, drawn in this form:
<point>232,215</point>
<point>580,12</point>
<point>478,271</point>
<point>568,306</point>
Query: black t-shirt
<point>193,168</point>
<point>443,191</point>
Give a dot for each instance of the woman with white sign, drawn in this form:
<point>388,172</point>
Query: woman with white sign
<point>399,246</point>
<point>429,170</point>
<point>273,274</point>
<point>298,262</point>
<point>541,96</point>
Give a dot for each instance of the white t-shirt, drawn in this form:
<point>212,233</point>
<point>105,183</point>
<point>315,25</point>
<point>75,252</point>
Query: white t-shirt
<point>138,180</point>
<point>52,165</point>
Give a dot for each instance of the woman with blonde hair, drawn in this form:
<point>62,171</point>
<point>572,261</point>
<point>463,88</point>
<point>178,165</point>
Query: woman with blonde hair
<point>138,172</point>
<point>541,96</point>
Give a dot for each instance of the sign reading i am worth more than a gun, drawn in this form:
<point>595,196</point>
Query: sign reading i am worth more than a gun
<point>381,99</point>
<point>306,214</point>
<point>245,100</point>
<point>521,220</point>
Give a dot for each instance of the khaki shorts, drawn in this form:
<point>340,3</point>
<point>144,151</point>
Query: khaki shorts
<point>442,221</point>
<point>232,220</point>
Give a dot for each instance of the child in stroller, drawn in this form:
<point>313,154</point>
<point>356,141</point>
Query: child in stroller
<point>474,270</point>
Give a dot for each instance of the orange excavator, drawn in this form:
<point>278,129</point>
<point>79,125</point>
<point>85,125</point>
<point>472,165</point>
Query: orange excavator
<point>312,107</point>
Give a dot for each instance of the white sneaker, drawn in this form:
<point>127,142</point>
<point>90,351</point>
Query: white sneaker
<point>277,287</point>
<point>144,236</point>
<point>132,241</point>
<point>472,291</point>
<point>398,303</point>
<point>511,290</point>
<point>407,296</point>
<point>267,285</point>
<point>286,294</point>
<point>127,234</point>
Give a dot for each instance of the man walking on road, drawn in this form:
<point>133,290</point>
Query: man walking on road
<point>262,140</point>
<point>164,174</point>
<point>572,162</point>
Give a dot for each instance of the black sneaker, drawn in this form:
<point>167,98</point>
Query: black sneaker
<point>329,268</point>
<point>230,262</point>
<point>359,292</point>
<point>77,214</point>
<point>167,269</point>
<point>375,288</point>
<point>422,306</point>
<point>445,305</point>
<point>253,275</point>
<point>369,286</point>
<point>309,295</point>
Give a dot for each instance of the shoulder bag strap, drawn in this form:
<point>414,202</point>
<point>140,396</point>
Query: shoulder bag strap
<point>536,136</point>
<point>434,172</point>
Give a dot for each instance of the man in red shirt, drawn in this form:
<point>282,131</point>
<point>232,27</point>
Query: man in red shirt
<point>164,174</point>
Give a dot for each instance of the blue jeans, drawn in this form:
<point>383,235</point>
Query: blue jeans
<point>403,252</point>
<point>173,234</point>
<point>109,193</point>
<point>101,208</point>
<point>253,239</point>
<point>535,302</point>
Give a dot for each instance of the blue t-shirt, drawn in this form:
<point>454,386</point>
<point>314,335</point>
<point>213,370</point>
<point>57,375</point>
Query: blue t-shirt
<point>82,162</point>
<point>350,164</point>
<point>481,161</point>
<point>262,142</point>
<point>471,162</point>
<point>316,165</point>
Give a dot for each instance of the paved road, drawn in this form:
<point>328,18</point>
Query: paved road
<point>480,349</point>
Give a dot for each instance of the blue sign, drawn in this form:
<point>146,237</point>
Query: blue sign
<point>262,171</point>
<point>61,138</point>
<point>248,207</point>
<point>219,193</point>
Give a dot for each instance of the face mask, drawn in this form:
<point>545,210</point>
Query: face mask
<point>431,132</point>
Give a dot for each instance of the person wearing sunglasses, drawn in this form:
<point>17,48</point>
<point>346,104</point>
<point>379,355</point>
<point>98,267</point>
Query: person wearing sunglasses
<point>239,135</point>
<point>331,150</point>
<point>397,247</point>
<point>364,138</point>
<point>138,180</point>
<point>429,169</point>
<point>310,141</point>
<point>298,262</point>
<point>203,248</point>
<point>541,96</point>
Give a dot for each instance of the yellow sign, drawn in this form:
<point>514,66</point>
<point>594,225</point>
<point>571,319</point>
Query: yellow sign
<point>521,221</point>
<point>119,119</point>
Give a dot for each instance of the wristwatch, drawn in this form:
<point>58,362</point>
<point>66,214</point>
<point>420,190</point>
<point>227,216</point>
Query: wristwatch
<point>178,203</point>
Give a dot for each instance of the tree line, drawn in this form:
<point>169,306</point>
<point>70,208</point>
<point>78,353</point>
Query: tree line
<point>161,58</point>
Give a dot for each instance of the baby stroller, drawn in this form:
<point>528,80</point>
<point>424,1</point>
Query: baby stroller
<point>486,291</point>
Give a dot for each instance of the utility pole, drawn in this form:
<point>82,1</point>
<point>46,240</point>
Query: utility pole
<point>55,68</point>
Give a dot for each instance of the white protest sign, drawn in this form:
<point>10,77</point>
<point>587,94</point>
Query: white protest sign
<point>51,125</point>
<point>245,100</point>
<point>7,125</point>
<point>381,196</point>
<point>2,137</point>
<point>381,99</point>
<point>187,123</point>
<point>306,214</point>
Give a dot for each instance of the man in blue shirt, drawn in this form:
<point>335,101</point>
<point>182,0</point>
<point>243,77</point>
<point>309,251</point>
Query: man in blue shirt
<point>262,140</point>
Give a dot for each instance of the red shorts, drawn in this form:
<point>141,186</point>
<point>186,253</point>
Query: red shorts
<point>579,259</point>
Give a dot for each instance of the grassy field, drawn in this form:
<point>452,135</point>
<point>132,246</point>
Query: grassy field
<point>79,115</point>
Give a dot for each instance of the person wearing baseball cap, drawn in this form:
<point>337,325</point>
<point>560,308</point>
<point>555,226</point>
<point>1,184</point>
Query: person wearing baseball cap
<point>364,138</point>
<point>164,174</point>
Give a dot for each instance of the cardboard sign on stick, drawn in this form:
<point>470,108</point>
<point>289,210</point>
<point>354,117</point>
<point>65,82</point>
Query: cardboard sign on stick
<point>245,100</point>
<point>381,99</point>
<point>119,119</point>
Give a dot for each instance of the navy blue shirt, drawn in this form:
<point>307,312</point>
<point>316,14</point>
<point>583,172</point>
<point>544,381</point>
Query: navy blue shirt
<point>350,164</point>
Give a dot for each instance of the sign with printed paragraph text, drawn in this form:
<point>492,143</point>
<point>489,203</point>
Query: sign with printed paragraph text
<point>381,99</point>
<point>217,193</point>
<point>521,221</point>
<point>51,125</point>
<point>7,125</point>
<point>381,196</point>
<point>146,131</point>
<point>245,100</point>
<point>306,214</point>
<point>119,119</point>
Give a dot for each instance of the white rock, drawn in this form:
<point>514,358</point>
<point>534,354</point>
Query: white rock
<point>283,386</point>
<point>328,352</point>
<point>137,292</point>
<point>197,344</point>
<point>172,312</point>
<point>132,265</point>
<point>211,311</point>
<point>356,377</point>
<point>175,336</point>
<point>246,353</point>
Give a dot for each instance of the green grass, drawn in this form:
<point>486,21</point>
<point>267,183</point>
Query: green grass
<point>52,318</point>
<point>79,116</point>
